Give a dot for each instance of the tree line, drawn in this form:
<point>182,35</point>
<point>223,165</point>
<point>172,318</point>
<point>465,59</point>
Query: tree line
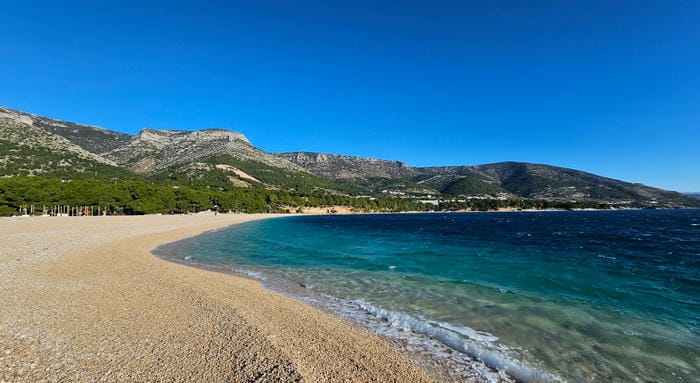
<point>135,197</point>
<point>517,204</point>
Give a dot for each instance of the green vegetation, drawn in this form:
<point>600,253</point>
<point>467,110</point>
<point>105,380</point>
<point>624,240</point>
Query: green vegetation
<point>139,197</point>
<point>517,204</point>
<point>133,197</point>
<point>92,139</point>
<point>527,184</point>
<point>32,146</point>
<point>196,178</point>
<point>270,177</point>
<point>375,185</point>
<point>472,185</point>
<point>299,182</point>
<point>23,160</point>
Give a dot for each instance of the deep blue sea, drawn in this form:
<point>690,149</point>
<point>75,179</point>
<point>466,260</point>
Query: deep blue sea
<point>604,296</point>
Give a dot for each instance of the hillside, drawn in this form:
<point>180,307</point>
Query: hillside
<point>219,159</point>
<point>34,145</point>
<point>154,151</point>
<point>28,147</point>
<point>341,167</point>
<point>503,180</point>
<point>359,175</point>
<point>212,157</point>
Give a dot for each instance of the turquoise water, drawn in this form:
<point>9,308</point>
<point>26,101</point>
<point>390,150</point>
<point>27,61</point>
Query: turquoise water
<point>540,296</point>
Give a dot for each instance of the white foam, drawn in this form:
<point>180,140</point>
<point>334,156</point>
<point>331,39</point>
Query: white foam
<point>479,355</point>
<point>249,273</point>
<point>480,345</point>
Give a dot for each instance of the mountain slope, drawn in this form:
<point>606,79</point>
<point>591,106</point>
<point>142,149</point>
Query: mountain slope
<point>153,151</point>
<point>221,159</point>
<point>461,180</point>
<point>498,180</point>
<point>211,158</point>
<point>26,148</point>
<point>348,167</point>
<point>358,174</point>
<point>546,182</point>
<point>91,138</point>
<point>560,184</point>
<point>35,145</point>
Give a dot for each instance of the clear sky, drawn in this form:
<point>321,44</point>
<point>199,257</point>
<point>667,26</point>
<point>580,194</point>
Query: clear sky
<point>609,87</point>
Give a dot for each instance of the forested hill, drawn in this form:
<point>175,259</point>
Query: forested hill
<point>223,161</point>
<point>216,158</point>
<point>503,180</point>
<point>545,182</point>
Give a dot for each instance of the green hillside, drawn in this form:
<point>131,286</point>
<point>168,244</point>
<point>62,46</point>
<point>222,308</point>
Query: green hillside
<point>218,166</point>
<point>473,185</point>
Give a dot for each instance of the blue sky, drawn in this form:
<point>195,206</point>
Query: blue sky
<point>609,87</point>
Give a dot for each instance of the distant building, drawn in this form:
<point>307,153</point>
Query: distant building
<point>433,202</point>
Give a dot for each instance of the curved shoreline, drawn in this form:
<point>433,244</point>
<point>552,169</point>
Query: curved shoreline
<point>84,300</point>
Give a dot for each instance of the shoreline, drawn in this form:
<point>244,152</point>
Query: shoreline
<point>440,361</point>
<point>431,350</point>
<point>275,287</point>
<point>86,300</point>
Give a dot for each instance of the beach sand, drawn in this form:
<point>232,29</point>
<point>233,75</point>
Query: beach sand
<point>82,299</point>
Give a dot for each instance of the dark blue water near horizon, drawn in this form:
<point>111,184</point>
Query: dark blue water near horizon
<point>542,296</point>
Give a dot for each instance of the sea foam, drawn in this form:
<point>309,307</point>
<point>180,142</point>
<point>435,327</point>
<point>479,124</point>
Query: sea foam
<point>478,354</point>
<point>476,344</point>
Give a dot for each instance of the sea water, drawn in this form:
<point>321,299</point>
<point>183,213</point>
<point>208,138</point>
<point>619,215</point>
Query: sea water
<point>604,296</point>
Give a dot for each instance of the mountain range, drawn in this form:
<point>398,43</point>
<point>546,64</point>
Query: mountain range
<point>32,145</point>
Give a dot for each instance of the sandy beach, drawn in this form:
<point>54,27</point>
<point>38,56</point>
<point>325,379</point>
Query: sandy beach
<point>82,299</point>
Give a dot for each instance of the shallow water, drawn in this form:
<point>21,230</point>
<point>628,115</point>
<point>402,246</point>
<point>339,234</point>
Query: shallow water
<point>541,296</point>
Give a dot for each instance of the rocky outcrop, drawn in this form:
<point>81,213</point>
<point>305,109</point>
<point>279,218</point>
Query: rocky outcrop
<point>546,182</point>
<point>35,145</point>
<point>33,150</point>
<point>152,150</point>
<point>341,167</point>
<point>497,180</point>
<point>147,153</point>
<point>92,139</point>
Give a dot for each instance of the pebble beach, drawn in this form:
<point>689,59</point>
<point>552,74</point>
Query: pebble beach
<point>83,299</point>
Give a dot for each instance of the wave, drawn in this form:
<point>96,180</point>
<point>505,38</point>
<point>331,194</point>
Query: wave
<point>482,356</point>
<point>249,273</point>
<point>476,344</point>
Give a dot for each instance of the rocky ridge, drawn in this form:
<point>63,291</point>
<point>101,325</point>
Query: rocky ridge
<point>39,145</point>
<point>501,180</point>
<point>219,158</point>
<point>153,151</point>
<point>348,167</point>
<point>26,148</point>
<point>30,130</point>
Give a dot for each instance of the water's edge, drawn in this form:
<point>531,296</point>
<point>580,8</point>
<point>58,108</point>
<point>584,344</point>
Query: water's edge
<point>439,348</point>
<point>605,296</point>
